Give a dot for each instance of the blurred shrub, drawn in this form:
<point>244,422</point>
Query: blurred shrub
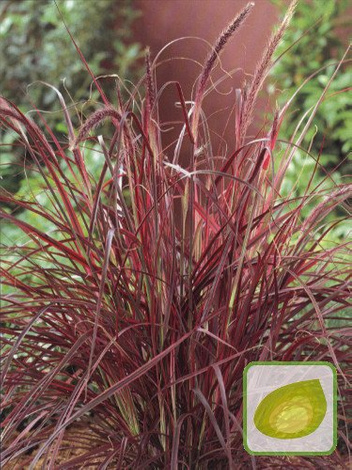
<point>321,48</point>
<point>37,47</point>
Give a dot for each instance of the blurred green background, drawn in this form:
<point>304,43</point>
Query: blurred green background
<point>319,34</point>
<point>35,46</point>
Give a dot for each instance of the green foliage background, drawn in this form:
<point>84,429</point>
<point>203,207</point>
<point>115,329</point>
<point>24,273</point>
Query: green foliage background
<point>35,46</point>
<point>325,24</point>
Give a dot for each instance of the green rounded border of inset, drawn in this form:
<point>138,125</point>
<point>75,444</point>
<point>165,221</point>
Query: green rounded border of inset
<point>290,363</point>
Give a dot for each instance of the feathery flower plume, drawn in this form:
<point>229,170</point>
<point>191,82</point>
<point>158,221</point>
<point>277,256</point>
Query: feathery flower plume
<point>94,120</point>
<point>149,80</point>
<point>261,72</point>
<point>219,45</point>
<point>209,64</point>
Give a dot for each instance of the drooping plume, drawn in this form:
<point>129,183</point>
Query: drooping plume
<point>93,121</point>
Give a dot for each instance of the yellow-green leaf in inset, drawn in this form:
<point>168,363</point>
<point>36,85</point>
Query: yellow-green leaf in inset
<point>292,411</point>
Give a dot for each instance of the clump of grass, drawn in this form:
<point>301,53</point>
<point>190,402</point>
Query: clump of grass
<point>134,317</point>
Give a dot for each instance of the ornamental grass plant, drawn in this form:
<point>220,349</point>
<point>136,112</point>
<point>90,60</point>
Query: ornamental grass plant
<point>136,295</point>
